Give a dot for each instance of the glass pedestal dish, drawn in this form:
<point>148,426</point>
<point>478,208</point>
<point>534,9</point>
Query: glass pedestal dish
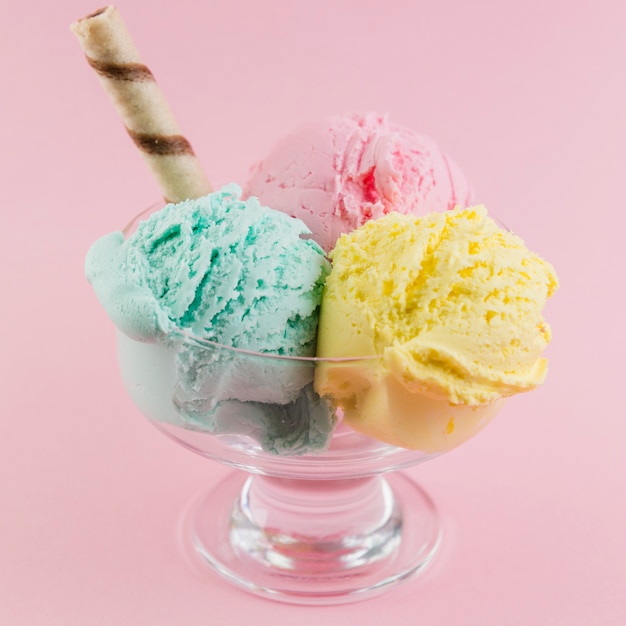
<point>314,512</point>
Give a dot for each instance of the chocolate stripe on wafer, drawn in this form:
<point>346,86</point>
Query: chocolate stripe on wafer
<point>161,144</point>
<point>95,13</point>
<point>134,72</point>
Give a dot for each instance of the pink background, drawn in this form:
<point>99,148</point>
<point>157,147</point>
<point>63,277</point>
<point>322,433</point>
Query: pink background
<point>527,96</point>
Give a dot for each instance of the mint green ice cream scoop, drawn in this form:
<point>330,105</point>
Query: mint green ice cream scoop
<point>233,272</point>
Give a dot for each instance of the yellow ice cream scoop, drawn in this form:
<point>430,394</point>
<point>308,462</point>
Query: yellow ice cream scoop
<point>452,305</point>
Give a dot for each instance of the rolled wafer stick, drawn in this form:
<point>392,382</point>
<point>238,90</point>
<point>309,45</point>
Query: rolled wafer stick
<point>140,102</point>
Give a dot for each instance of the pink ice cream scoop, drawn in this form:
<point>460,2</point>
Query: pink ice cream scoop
<point>338,173</point>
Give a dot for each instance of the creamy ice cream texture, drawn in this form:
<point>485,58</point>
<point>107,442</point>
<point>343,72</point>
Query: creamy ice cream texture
<point>220,268</point>
<point>451,305</point>
<point>335,174</point>
<point>229,271</point>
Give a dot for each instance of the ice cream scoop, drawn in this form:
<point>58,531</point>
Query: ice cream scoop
<point>220,270</point>
<point>452,304</point>
<point>225,270</point>
<point>335,174</point>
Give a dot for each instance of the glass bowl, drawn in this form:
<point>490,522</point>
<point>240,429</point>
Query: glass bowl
<point>314,512</point>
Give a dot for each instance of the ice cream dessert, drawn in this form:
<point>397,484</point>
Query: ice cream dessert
<point>237,339</point>
<point>223,270</point>
<point>440,306</point>
<point>452,304</point>
<point>335,174</point>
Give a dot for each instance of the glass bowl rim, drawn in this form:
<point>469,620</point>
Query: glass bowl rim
<point>207,343</point>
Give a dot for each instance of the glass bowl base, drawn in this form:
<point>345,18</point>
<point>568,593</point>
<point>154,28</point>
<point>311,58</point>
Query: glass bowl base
<point>313,542</point>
